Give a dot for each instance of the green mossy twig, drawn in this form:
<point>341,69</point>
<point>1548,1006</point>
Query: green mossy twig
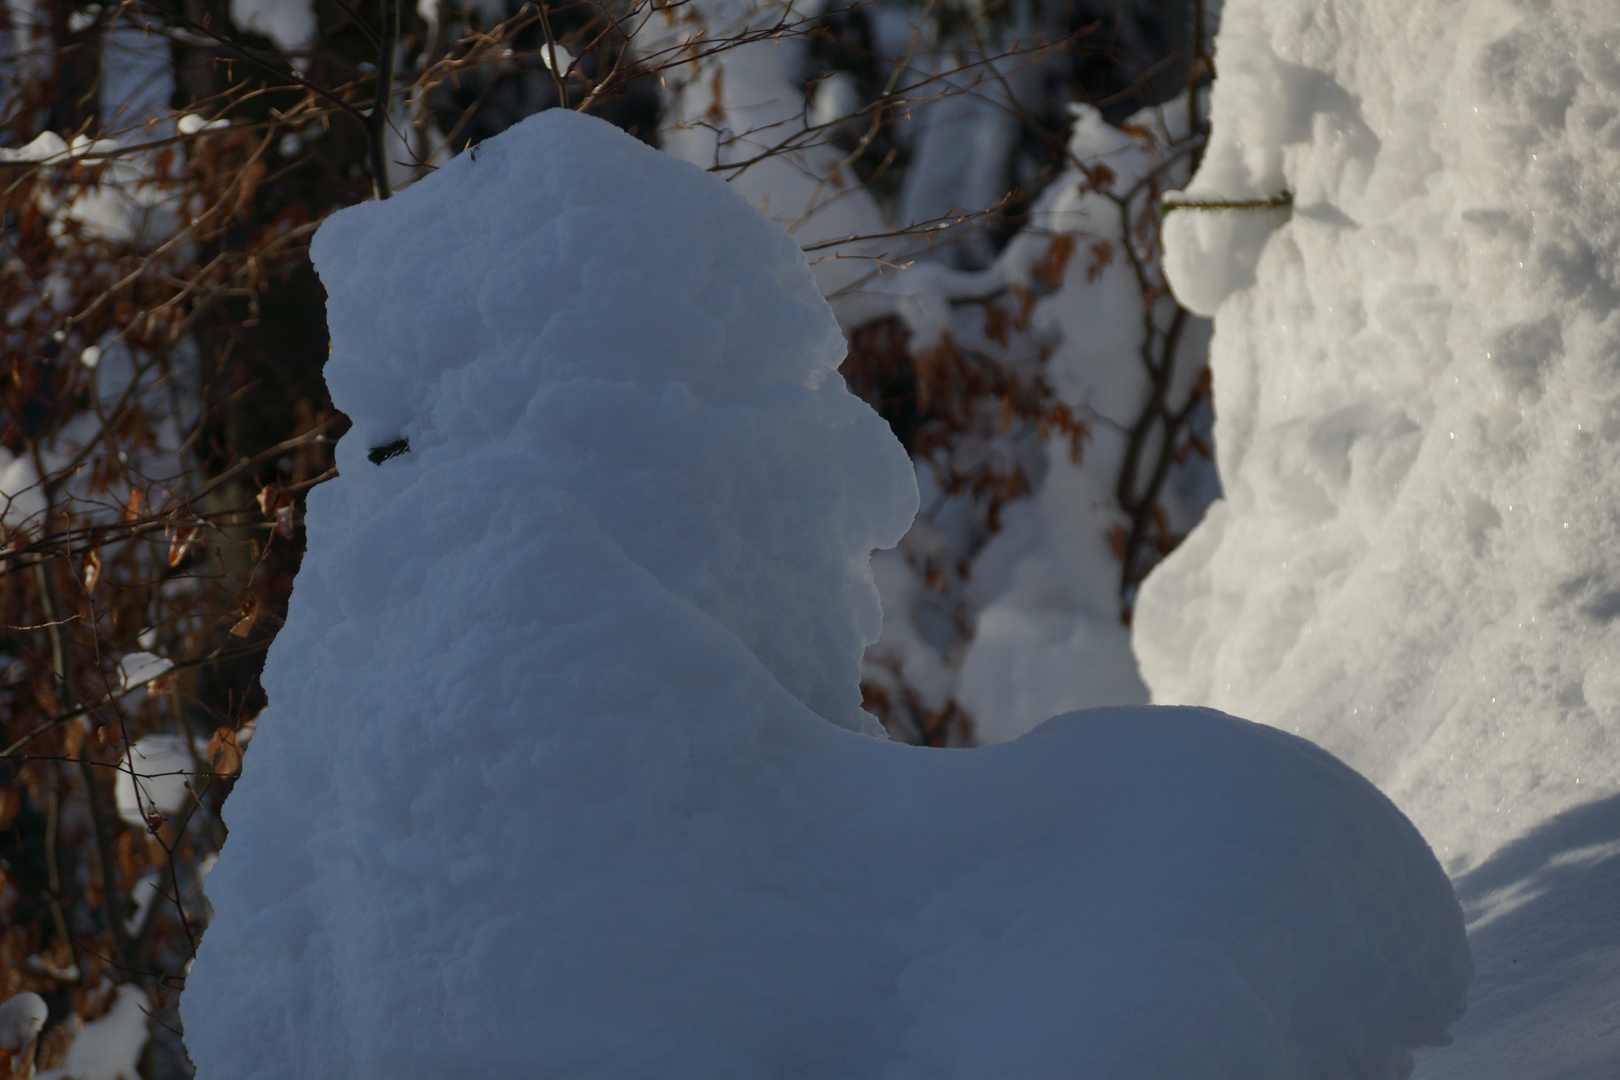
<point>1276,202</point>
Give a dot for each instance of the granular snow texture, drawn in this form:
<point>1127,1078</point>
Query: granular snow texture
<point>1417,391</point>
<point>559,777</point>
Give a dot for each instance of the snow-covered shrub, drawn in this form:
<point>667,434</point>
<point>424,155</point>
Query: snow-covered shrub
<point>558,776</point>
<point>154,438</point>
<point>162,416</point>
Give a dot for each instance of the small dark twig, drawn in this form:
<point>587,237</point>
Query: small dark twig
<point>1275,202</point>
<point>550,58</point>
<point>377,119</point>
<point>388,451</point>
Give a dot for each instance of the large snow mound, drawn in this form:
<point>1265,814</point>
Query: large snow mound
<point>1418,401</point>
<point>1417,391</point>
<point>549,788</point>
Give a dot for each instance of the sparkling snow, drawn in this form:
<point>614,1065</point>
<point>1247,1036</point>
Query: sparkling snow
<point>1417,390</point>
<point>564,771</point>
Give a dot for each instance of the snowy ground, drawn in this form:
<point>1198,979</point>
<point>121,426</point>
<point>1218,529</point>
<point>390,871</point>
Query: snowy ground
<point>1545,931</point>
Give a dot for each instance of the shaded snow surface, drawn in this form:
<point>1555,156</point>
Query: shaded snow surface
<point>549,786</point>
<point>1417,392</point>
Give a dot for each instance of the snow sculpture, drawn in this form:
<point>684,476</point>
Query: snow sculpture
<point>1417,390</point>
<point>549,786</point>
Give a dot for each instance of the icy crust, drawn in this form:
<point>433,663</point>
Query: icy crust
<point>1418,406</point>
<point>544,793</point>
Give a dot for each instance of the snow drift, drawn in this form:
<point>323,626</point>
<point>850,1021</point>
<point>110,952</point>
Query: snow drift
<point>1417,390</point>
<point>560,776</point>
<point>1418,405</point>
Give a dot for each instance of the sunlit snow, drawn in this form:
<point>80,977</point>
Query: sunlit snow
<point>1417,391</point>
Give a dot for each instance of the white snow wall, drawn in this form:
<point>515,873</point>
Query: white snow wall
<point>1417,396</point>
<point>1417,389</point>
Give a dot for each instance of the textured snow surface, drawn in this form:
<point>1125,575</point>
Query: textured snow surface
<point>548,786</point>
<point>1417,390</point>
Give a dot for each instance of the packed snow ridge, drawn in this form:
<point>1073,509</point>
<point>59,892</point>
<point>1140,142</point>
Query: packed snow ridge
<point>565,772</point>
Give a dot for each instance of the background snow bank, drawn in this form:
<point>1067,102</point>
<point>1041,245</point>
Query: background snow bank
<point>740,109</point>
<point>1049,636</point>
<point>1417,384</point>
<point>545,791</point>
<point>109,1048</point>
<point>1006,610</point>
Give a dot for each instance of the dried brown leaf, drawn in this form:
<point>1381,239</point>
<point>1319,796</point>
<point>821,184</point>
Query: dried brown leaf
<point>1051,268</point>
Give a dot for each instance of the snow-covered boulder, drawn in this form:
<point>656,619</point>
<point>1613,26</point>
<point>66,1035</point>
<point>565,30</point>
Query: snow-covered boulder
<point>1417,391</point>
<point>564,773</point>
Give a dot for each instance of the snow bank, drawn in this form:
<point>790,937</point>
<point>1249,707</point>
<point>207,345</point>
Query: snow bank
<point>548,785</point>
<point>1417,385</point>
<point>1419,407</point>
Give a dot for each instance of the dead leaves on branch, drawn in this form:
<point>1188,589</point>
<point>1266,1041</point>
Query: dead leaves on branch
<point>1054,263</point>
<point>960,409</point>
<point>145,542</point>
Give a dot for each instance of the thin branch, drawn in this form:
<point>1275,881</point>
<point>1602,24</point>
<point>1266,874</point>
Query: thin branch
<point>377,121</point>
